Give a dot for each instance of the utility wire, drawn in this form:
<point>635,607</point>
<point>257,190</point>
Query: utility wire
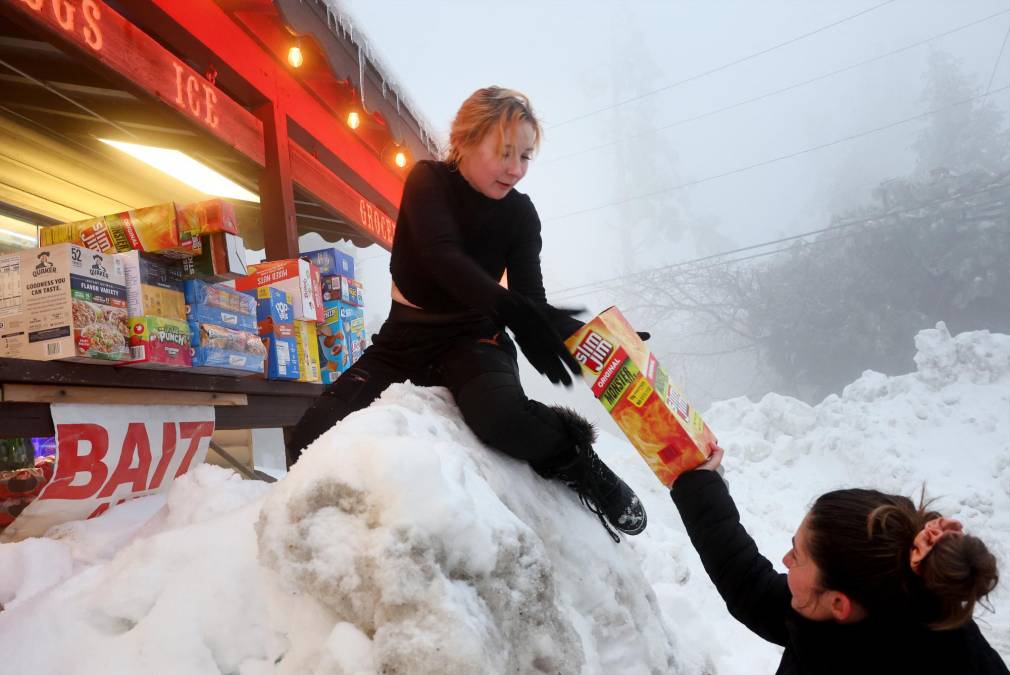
<point>722,67</point>
<point>772,160</point>
<point>551,160</point>
<point>593,286</point>
<point>999,57</point>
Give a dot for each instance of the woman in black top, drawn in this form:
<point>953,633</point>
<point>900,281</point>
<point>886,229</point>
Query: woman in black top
<point>462,226</point>
<point>875,585</point>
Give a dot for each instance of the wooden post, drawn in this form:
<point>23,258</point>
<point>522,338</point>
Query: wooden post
<point>277,199</point>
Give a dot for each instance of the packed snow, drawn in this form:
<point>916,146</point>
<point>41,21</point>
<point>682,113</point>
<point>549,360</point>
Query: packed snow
<point>400,544</point>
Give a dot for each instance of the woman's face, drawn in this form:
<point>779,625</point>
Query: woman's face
<point>493,171</point>
<point>804,578</point>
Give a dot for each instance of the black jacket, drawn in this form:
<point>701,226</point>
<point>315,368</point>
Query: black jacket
<point>452,245</point>
<point>758,596</point>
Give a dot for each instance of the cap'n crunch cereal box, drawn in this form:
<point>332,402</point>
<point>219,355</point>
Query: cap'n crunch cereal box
<point>623,374</point>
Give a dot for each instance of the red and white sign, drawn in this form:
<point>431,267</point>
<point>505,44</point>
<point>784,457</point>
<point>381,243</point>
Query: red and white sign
<point>107,454</point>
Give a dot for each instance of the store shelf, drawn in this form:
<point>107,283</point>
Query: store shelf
<point>268,403</point>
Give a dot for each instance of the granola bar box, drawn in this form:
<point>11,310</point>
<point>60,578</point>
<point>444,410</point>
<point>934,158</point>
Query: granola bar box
<point>73,301</point>
<point>625,376</point>
<point>159,342</point>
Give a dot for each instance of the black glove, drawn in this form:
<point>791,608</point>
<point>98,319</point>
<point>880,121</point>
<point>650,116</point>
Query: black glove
<point>535,335</point>
<point>643,336</point>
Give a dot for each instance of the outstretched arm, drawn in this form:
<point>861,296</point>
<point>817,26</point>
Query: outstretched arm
<point>755,594</point>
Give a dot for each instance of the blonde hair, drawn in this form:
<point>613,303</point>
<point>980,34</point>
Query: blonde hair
<point>487,109</point>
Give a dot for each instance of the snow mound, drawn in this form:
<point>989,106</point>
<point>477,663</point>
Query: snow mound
<point>980,356</point>
<point>443,556</point>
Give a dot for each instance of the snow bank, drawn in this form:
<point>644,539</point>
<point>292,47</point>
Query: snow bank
<point>452,558</point>
<point>400,544</point>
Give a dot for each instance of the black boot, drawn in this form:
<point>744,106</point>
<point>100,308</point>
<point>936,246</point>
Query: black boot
<point>599,488</point>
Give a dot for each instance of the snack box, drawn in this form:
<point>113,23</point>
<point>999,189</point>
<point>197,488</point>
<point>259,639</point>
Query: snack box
<point>153,286</point>
<point>72,305</point>
<point>331,262</point>
<point>623,374</point>
<point>341,338</point>
<point>344,289</point>
<point>221,257</point>
<point>298,277</point>
<point>273,308</point>
<point>151,229</point>
<point>219,317</point>
<point>308,351</point>
<point>217,349</point>
<point>158,342</point>
<point>210,216</point>
<point>282,353</point>
<point>217,361</point>
<point>202,293</point>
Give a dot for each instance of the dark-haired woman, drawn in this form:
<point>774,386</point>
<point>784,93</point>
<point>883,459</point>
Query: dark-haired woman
<point>462,225</point>
<point>875,584</point>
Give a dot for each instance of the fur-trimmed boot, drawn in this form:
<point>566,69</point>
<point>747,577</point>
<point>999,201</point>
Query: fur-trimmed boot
<point>599,488</point>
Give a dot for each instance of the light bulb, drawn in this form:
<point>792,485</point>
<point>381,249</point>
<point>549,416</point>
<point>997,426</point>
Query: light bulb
<point>295,56</point>
<point>353,119</point>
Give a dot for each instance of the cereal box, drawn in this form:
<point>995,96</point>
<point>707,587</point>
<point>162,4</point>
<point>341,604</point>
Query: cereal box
<point>275,325</point>
<point>73,304</point>
<point>623,374</point>
<point>158,342</point>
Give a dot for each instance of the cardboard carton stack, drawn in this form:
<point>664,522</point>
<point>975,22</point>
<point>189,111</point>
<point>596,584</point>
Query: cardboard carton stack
<point>159,334</point>
<point>342,331</point>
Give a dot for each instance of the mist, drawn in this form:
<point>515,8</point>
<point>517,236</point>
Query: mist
<point>679,131</point>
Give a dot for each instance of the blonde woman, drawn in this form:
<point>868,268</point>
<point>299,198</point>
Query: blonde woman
<point>462,226</point>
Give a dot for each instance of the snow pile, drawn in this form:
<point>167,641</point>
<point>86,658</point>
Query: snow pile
<point>452,558</point>
<point>400,544</point>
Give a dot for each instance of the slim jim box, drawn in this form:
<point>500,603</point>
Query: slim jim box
<point>623,374</point>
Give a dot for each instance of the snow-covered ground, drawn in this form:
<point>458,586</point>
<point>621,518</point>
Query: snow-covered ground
<point>399,544</point>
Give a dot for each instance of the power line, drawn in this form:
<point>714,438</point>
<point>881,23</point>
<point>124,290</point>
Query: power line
<point>593,286</point>
<point>551,160</point>
<point>999,57</point>
<point>722,67</point>
<point>771,160</point>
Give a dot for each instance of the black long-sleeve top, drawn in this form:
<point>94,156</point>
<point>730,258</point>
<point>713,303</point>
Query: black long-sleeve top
<point>452,245</point>
<point>759,597</point>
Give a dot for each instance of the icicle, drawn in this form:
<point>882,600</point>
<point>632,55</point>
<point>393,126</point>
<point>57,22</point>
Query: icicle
<point>361,77</point>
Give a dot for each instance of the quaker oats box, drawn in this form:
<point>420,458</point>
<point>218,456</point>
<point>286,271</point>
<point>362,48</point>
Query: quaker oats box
<point>74,305</point>
<point>625,376</point>
<point>159,342</point>
<point>12,329</point>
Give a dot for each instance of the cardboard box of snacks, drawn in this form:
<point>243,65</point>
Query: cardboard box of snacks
<point>343,289</point>
<point>330,262</point>
<point>158,342</point>
<point>154,286</point>
<point>73,305</point>
<point>275,325</point>
<point>624,375</point>
<point>225,351</point>
<point>308,351</point>
<point>209,216</point>
<point>152,229</point>
<point>298,277</point>
<point>221,257</point>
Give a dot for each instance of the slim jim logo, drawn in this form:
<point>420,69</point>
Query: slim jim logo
<point>593,351</point>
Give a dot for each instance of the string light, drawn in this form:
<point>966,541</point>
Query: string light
<point>353,119</point>
<point>295,57</point>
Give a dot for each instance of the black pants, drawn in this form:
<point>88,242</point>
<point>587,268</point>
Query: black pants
<point>470,356</point>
